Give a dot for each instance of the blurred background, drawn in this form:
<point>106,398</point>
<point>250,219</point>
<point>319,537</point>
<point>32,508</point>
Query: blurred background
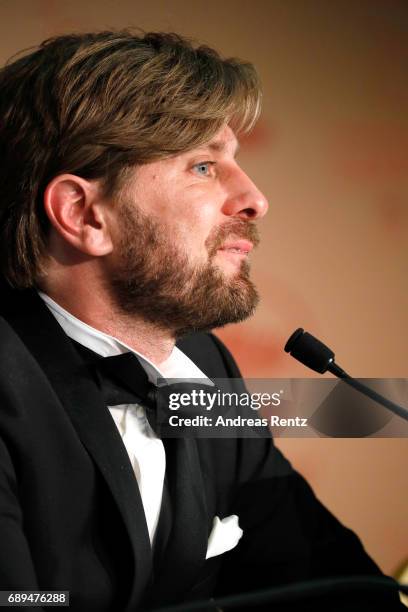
<point>331,154</point>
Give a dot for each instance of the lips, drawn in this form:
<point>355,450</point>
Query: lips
<point>242,247</point>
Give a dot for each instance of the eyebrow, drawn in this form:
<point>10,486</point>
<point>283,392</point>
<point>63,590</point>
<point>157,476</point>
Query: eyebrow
<point>219,146</point>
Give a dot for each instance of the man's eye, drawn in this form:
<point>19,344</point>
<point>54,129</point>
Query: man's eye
<point>204,168</point>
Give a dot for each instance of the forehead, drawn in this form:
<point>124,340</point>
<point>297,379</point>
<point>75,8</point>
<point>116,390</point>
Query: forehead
<point>224,141</point>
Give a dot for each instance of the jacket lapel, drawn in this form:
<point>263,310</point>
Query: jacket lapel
<point>81,398</point>
<point>187,546</point>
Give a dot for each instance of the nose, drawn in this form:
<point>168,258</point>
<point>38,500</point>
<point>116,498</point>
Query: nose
<point>244,199</point>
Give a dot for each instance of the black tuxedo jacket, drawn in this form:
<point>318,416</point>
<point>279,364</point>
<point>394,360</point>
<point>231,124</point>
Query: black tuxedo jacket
<point>71,516</point>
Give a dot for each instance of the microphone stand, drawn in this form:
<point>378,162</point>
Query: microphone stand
<point>359,386</point>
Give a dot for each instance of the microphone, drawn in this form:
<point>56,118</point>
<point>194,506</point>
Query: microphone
<point>318,357</point>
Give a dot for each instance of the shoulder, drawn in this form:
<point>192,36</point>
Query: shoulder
<point>17,363</point>
<point>9,339</point>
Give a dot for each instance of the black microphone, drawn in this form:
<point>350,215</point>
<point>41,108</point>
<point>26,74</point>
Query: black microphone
<point>317,356</point>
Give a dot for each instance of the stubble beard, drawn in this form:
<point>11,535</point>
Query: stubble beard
<point>152,278</point>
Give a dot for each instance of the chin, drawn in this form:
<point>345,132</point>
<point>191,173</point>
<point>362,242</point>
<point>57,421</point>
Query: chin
<point>230,269</point>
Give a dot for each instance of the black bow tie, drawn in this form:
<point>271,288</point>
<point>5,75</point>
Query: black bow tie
<point>122,380</point>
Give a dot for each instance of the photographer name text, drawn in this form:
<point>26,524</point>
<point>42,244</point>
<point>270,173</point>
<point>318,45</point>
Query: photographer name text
<point>238,421</point>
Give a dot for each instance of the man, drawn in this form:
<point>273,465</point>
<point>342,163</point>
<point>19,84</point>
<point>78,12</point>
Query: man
<point>126,225</point>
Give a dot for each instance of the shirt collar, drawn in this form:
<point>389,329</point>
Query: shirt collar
<point>177,365</point>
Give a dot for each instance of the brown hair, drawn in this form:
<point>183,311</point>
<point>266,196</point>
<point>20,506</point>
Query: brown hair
<point>95,104</point>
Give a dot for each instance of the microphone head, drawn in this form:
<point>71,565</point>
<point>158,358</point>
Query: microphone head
<point>310,351</point>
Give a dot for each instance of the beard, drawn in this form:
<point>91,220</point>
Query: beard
<point>152,278</point>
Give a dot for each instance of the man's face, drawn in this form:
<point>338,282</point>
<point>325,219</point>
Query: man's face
<point>183,232</point>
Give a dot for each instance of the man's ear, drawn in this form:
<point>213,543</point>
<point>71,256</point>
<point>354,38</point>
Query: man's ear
<point>77,212</point>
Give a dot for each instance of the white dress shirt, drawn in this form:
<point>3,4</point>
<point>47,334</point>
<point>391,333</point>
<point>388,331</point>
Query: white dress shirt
<point>146,451</point>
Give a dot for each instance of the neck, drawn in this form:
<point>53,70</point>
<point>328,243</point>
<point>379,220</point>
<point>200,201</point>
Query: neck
<point>94,308</point>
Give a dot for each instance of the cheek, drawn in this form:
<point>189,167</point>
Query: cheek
<point>190,239</point>
<point>188,216</point>
<point>200,230</point>
<point>194,224</point>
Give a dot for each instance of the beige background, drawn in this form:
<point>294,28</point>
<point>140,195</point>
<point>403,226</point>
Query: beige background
<point>331,155</point>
